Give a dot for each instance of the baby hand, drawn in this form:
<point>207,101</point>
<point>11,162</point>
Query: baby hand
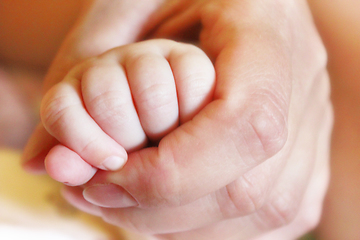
<point>121,101</point>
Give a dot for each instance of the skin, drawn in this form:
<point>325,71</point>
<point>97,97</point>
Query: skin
<point>339,25</point>
<point>31,50</point>
<point>274,118</point>
<point>135,95</point>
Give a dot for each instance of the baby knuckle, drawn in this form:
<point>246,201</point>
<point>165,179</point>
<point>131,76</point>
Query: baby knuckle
<point>156,97</point>
<point>54,111</point>
<point>110,103</point>
<point>196,77</point>
<point>157,94</point>
<point>109,106</point>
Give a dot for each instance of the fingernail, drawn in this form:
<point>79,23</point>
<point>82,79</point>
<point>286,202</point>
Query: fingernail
<point>113,163</point>
<point>109,195</point>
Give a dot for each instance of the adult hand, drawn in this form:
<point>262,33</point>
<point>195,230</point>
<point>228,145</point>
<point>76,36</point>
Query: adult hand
<point>253,160</point>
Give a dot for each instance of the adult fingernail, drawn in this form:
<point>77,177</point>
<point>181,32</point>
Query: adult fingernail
<point>113,163</point>
<point>109,195</point>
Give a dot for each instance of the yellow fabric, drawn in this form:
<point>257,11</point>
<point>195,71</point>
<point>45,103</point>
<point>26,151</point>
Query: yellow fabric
<point>33,205</point>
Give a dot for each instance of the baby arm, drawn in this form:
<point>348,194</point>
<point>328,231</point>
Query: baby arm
<point>125,99</point>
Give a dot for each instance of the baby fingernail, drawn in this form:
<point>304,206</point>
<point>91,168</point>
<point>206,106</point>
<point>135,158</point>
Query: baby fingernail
<point>113,163</point>
<point>109,195</point>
